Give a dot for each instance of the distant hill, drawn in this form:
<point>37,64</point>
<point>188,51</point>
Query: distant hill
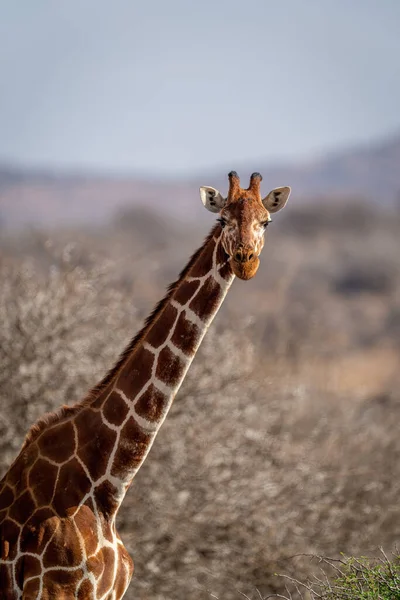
<point>369,171</point>
<point>43,199</point>
<point>50,198</point>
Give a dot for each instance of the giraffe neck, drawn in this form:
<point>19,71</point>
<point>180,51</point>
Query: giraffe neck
<point>136,396</point>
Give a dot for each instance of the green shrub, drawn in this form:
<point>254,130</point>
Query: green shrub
<point>350,578</point>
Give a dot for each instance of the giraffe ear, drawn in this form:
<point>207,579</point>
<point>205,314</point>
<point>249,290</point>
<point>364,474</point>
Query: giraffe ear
<point>212,199</point>
<point>276,199</point>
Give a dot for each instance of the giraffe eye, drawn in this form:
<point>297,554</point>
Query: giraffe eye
<point>265,224</point>
<point>222,222</point>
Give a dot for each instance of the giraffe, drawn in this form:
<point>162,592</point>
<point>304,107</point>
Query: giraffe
<point>60,497</point>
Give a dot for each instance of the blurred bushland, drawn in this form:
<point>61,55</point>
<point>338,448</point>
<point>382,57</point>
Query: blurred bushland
<point>284,438</point>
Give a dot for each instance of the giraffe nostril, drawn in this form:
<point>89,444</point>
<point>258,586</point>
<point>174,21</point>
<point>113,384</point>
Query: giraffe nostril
<point>238,256</point>
<point>250,256</point>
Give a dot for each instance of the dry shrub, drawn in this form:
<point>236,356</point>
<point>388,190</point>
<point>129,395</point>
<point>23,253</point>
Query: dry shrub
<point>57,336</point>
<point>284,437</point>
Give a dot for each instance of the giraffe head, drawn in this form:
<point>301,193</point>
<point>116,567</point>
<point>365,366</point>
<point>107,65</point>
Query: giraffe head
<point>244,216</point>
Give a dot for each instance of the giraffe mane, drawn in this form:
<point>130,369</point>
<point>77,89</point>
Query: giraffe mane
<point>64,412</point>
<point>149,321</point>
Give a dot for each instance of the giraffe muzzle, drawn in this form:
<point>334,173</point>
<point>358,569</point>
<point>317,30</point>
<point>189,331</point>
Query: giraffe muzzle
<point>245,263</point>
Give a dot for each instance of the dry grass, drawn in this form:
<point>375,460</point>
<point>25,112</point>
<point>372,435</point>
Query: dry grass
<point>284,438</point>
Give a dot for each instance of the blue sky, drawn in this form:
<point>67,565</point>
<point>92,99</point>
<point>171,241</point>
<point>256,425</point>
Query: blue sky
<point>177,86</point>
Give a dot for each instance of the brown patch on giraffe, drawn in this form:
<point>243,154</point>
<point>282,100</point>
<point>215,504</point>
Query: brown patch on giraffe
<point>38,530</point>
<point>115,409</point>
<point>204,264</point>
<point>56,581</point>
<point>132,446</point>
<point>125,559</point>
<point>31,589</point>
<point>9,532</point>
<point>185,291</point>
<point>132,380</point>
<point>169,367</point>
<point>125,571</point>
<point>58,442</point>
<point>106,498</point>
<point>22,508</point>
<point>186,335</point>
<point>107,578</point>
<point>6,583</point>
<point>4,549</point>
<point>42,480</point>
<point>19,572</point>
<point>85,521</point>
<point>226,271</point>
<point>207,298</point>
<point>6,497</point>
<point>95,442</point>
<point>151,405</point>
<point>85,590</point>
<point>158,333</point>
<point>27,567</point>
<point>64,548</point>
<point>72,485</point>
<point>48,420</point>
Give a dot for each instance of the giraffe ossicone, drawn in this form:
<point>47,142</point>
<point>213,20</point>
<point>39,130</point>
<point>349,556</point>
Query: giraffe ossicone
<point>60,497</point>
